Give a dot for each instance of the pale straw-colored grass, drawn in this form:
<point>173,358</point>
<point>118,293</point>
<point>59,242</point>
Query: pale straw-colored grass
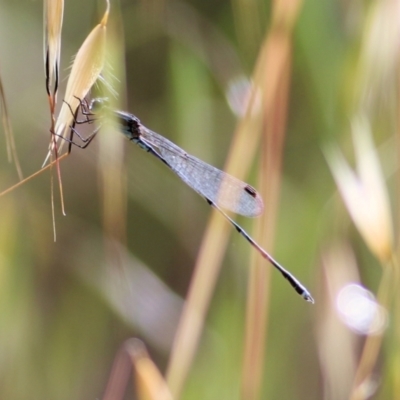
<point>32,176</point>
<point>339,269</point>
<point>272,67</point>
<point>53,20</point>
<point>111,160</point>
<point>10,142</point>
<point>365,196</point>
<point>53,12</point>
<point>364,191</point>
<point>149,382</point>
<point>86,69</point>
<point>278,50</point>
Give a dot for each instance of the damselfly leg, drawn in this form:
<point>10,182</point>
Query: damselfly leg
<point>84,109</point>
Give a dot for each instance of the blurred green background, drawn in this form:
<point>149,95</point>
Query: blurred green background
<point>64,308</point>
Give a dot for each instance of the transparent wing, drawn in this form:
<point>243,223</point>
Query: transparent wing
<point>221,188</point>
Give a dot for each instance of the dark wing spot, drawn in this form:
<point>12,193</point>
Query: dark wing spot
<point>251,191</point>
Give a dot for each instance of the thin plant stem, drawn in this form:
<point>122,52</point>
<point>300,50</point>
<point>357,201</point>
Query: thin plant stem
<point>17,185</point>
<point>373,343</point>
<point>258,287</point>
<point>10,142</point>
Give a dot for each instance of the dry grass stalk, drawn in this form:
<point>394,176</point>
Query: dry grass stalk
<point>364,192</point>
<point>339,270</point>
<point>379,58</point>
<point>149,383</point>
<point>243,149</point>
<point>365,196</point>
<point>10,143</point>
<point>53,17</point>
<point>208,262</point>
<point>86,69</point>
<point>17,185</point>
<point>111,147</point>
<point>275,115</point>
<point>258,287</point>
<point>363,377</point>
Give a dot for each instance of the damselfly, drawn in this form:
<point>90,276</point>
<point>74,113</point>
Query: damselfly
<point>219,189</point>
